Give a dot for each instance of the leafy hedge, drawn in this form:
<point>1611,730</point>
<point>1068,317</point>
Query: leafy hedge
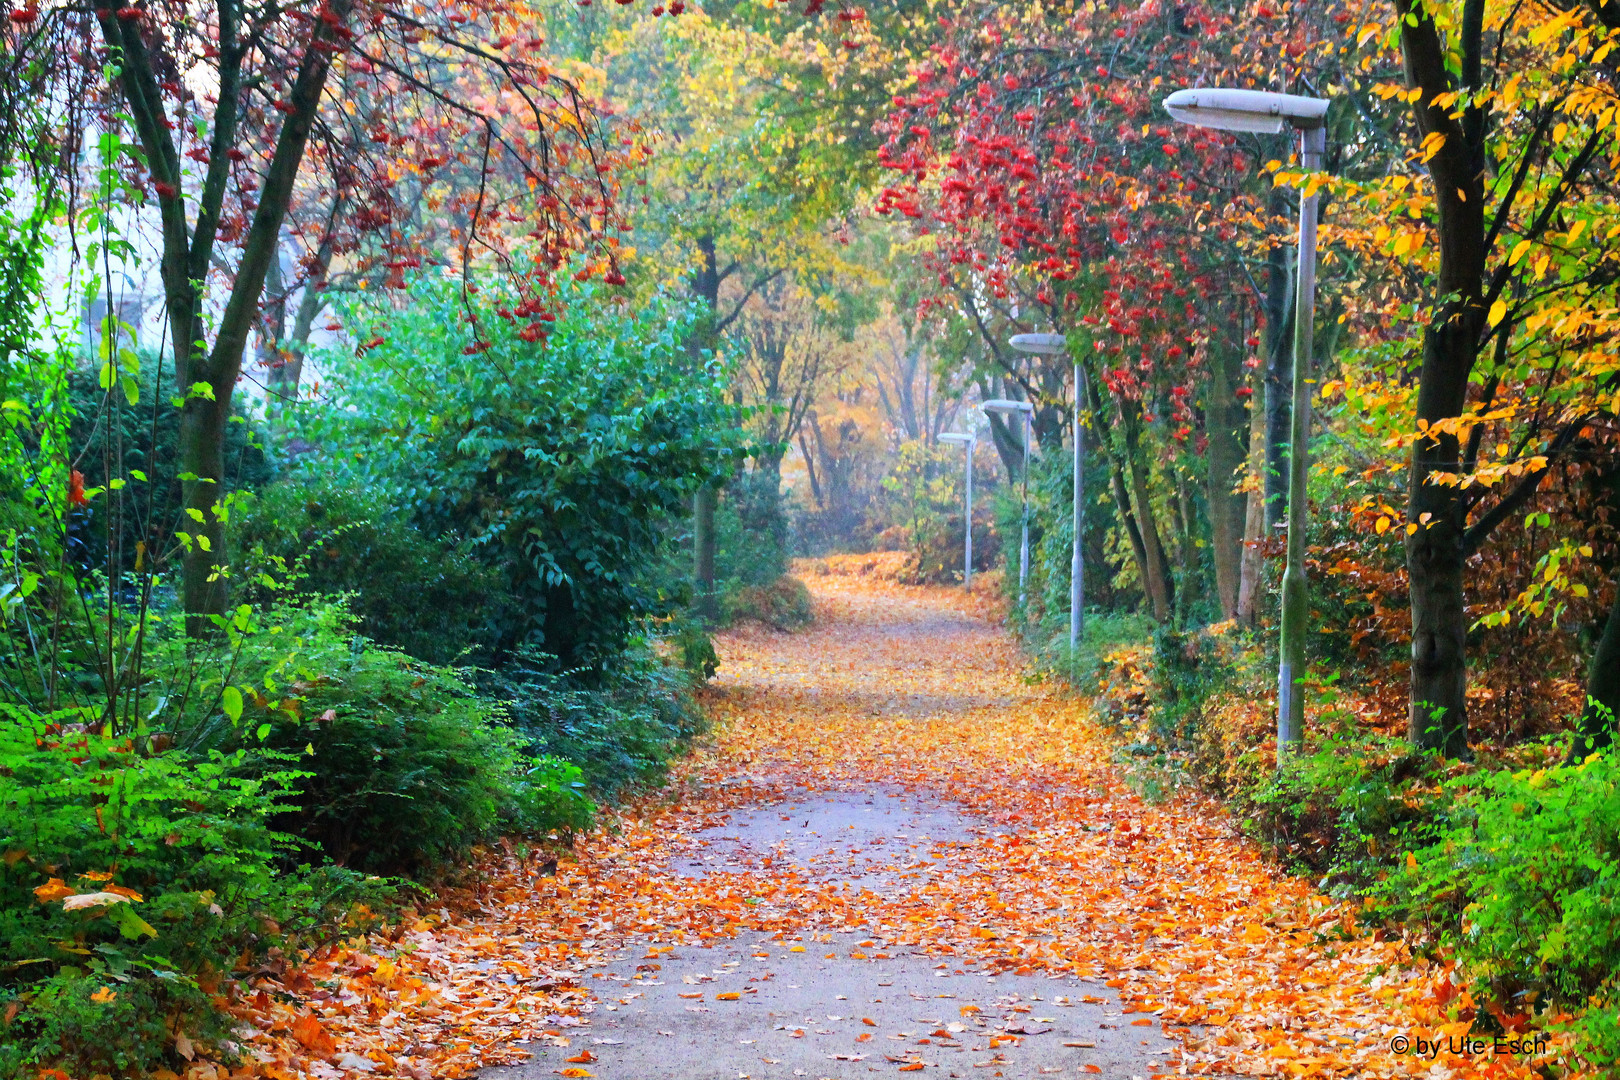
<point>562,463</point>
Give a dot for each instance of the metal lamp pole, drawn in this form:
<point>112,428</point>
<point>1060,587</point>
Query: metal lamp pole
<point>1025,409</point>
<point>1254,110</point>
<point>1056,345</point>
<point>970,441</point>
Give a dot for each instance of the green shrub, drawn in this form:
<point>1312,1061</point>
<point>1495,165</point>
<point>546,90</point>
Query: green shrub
<point>408,592</point>
<point>621,731</point>
<point>1523,882</point>
<point>563,462</point>
<point>175,861</point>
<point>783,604</point>
<point>753,533</point>
<point>405,766</point>
<point>1345,804</point>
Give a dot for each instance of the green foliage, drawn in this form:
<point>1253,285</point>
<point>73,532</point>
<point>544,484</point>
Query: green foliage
<point>1342,807</point>
<point>436,602</point>
<point>925,486</point>
<point>405,766</point>
<point>133,880</point>
<point>783,604</point>
<point>116,441</point>
<point>1523,881</point>
<point>753,532</point>
<point>563,462</point>
<point>621,730</point>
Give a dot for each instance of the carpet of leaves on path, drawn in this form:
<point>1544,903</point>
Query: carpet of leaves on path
<point>1248,968</point>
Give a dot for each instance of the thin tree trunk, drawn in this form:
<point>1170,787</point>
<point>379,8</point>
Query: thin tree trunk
<point>1252,566</point>
<point>703,546</point>
<point>1159,581</point>
<point>1279,377</point>
<point>1226,418</point>
<point>1596,728</point>
<point>208,376</point>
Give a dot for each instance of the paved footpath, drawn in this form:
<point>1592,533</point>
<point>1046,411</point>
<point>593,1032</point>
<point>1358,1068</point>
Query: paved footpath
<point>897,853</point>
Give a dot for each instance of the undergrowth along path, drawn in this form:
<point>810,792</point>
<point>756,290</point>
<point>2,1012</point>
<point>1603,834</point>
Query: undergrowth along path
<point>1013,850</point>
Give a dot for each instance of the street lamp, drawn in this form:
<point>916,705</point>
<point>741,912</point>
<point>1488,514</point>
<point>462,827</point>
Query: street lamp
<point>1024,408</point>
<point>1255,110</point>
<point>970,441</point>
<point>1055,345</point>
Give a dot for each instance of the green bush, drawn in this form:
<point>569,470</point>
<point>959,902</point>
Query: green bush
<point>564,462</point>
<point>753,533</point>
<point>404,766</point>
<point>1345,804</point>
<point>783,604</point>
<point>435,602</point>
<point>134,880</point>
<point>1523,882</point>
<point>621,730</point>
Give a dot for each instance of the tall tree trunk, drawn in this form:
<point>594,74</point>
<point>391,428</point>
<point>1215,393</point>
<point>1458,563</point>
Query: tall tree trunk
<point>1159,580</point>
<point>286,376</point>
<point>1110,443</point>
<point>1279,378</point>
<point>1253,564</point>
<point>208,376</point>
<point>1597,725</point>
<point>1226,421</point>
<point>704,548</point>
<point>1435,550</point>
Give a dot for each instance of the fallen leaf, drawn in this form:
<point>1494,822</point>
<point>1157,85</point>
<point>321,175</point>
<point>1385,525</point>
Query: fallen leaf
<point>584,1057</point>
<point>307,1029</point>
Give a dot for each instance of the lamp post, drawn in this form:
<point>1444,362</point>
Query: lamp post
<point>1025,409</point>
<point>970,441</point>
<point>1255,110</point>
<point>1055,345</point>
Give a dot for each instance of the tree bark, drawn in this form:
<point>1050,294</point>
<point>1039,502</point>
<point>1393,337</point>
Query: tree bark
<point>1279,378</point>
<point>207,377</point>
<point>1435,552</point>
<point>703,547</point>
<point>1253,564</point>
<point>1596,729</point>
<point>1226,422</point>
<point>1159,581</point>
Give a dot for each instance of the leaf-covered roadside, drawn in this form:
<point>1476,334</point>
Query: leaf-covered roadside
<point>1249,969</point>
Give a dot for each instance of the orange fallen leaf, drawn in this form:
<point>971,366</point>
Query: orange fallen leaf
<point>307,1029</point>
<point>584,1057</point>
<point>573,1072</point>
<point>865,1036</point>
<point>1141,1023</point>
<point>868,1021</point>
<point>729,995</point>
<point>692,997</point>
<point>915,1066</point>
<point>1092,1069</point>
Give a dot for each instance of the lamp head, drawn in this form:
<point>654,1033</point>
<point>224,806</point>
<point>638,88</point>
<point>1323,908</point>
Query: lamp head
<point>1046,344</point>
<point>1003,405</point>
<point>1246,110</point>
<point>958,437</point>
